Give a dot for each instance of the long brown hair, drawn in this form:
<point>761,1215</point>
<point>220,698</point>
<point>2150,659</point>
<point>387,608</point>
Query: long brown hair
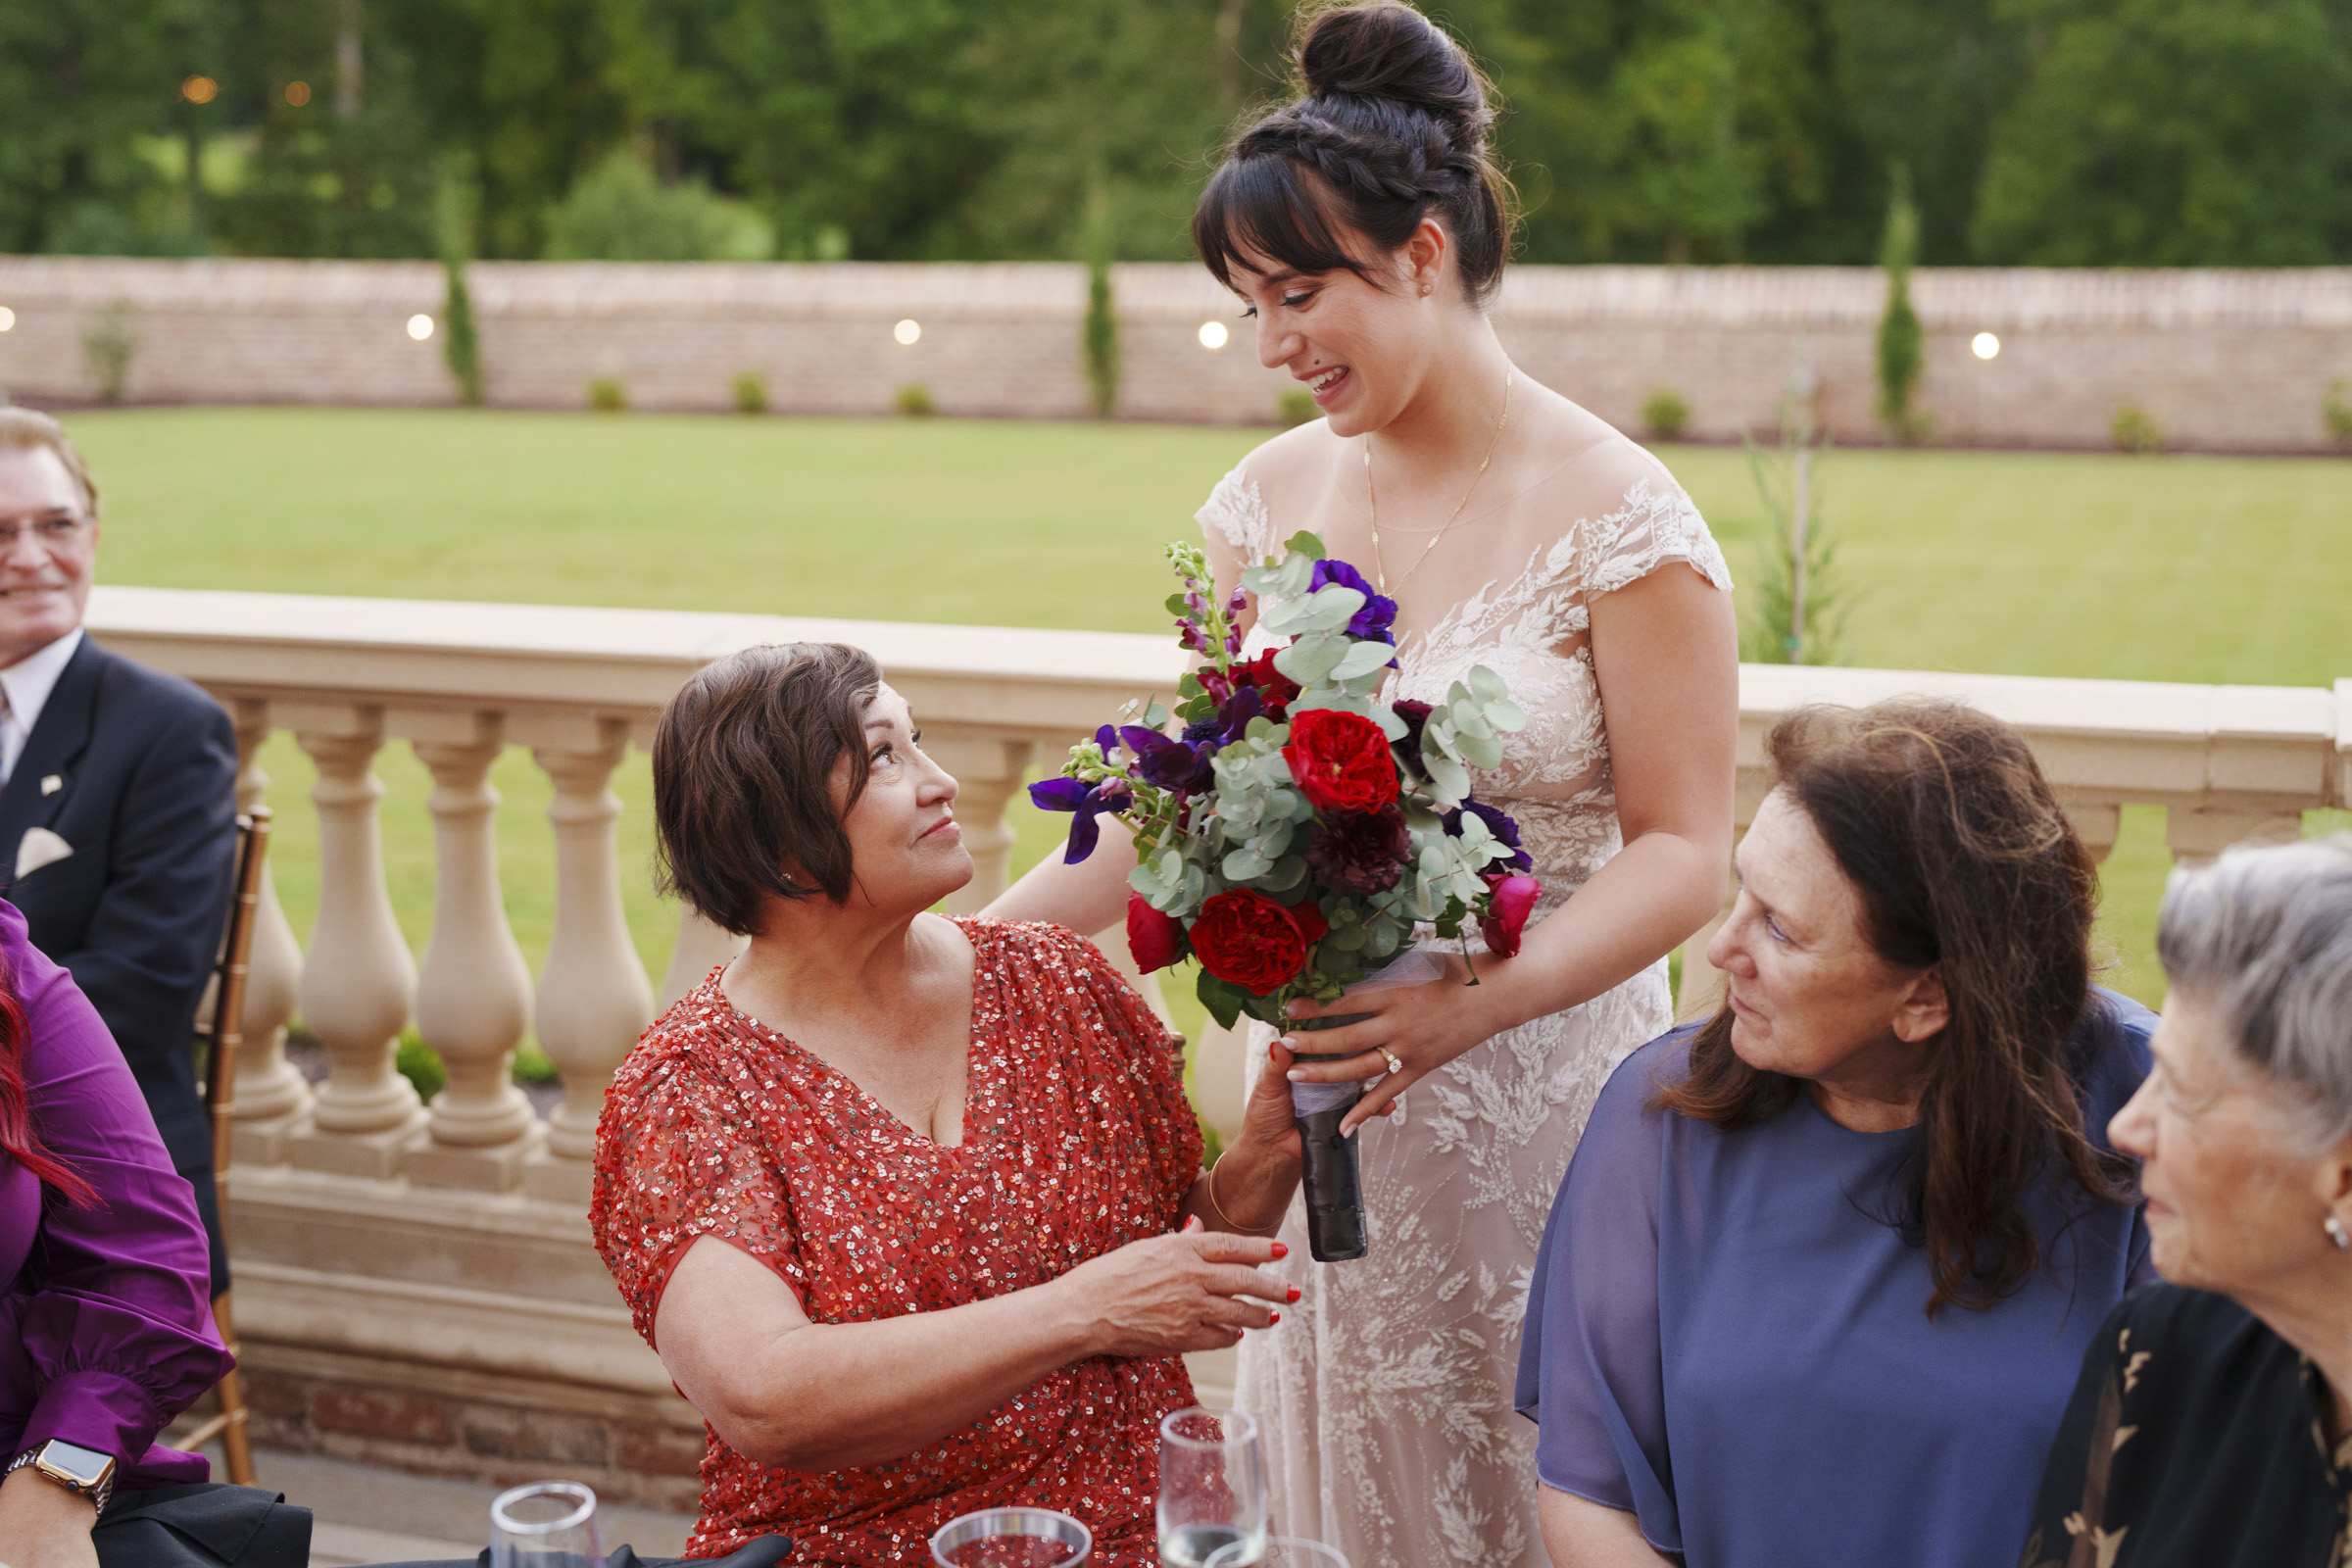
<point>1939,818</point>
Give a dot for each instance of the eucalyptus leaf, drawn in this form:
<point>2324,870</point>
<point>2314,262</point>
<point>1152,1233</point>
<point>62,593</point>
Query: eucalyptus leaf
<point>1449,780</point>
<point>1334,607</point>
<point>1306,541</point>
<point>1312,657</point>
<point>1486,684</point>
<point>1482,751</point>
<point>1362,659</point>
<point>1289,872</point>
<point>1245,864</point>
<point>1505,715</point>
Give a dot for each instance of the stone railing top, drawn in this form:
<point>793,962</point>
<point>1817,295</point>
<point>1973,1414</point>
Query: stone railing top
<point>456,655</point>
<point>2110,735</point>
<point>1955,298</point>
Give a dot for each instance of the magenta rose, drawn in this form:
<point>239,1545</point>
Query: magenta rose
<point>1509,899</point>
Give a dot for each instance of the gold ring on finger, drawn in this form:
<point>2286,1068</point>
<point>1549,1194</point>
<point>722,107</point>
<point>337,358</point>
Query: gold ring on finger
<point>1395,1066</point>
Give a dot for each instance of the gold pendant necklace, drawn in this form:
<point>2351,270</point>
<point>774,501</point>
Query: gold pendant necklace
<point>1380,569</point>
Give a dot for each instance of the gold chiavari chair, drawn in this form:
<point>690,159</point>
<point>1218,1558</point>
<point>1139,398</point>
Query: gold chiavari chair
<point>224,1034</point>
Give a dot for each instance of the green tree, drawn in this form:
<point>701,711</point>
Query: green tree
<point>618,212</point>
<point>1899,334</point>
<point>2176,132</point>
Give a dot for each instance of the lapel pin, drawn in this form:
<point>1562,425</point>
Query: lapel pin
<point>51,783</point>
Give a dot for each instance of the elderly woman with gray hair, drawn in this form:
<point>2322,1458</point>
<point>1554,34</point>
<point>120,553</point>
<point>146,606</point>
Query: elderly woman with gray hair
<point>2212,1423</point>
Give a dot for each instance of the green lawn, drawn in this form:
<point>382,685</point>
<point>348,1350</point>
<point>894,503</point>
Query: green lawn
<point>2166,569</point>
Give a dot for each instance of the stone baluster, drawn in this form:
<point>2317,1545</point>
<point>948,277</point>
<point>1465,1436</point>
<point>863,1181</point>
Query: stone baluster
<point>474,993</point>
<point>594,1001</point>
<point>2197,834</point>
<point>987,769</point>
<point>2097,824</point>
<point>702,947</point>
<point>358,978</point>
<point>270,1095</point>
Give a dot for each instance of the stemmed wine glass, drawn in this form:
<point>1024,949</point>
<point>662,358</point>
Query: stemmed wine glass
<point>549,1525</point>
<point>1212,1491</point>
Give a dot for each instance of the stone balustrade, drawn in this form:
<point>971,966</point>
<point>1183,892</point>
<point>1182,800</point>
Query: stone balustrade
<point>415,1282</point>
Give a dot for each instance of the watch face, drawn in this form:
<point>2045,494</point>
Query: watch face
<point>71,1461</point>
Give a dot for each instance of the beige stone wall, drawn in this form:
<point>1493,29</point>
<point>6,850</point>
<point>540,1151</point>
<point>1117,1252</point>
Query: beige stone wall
<point>2232,361</point>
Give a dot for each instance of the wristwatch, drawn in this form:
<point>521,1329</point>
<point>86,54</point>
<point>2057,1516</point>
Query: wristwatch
<point>72,1467</point>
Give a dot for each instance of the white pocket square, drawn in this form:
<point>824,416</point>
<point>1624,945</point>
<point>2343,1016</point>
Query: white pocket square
<point>40,848</point>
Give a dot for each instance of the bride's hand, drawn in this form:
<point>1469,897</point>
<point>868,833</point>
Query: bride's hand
<point>1413,1031</point>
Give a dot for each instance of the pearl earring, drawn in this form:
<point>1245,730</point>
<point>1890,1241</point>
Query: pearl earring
<point>2337,1234</point>
<point>1425,288</point>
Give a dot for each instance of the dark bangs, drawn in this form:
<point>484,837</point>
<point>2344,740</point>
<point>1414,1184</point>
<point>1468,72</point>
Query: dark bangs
<point>1268,206</point>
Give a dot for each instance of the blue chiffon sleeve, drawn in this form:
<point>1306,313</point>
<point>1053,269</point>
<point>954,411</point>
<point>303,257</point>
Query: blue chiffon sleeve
<point>1590,1372</point>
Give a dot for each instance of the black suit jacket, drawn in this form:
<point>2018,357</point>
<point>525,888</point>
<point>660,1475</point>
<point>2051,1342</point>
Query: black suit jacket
<point>145,767</point>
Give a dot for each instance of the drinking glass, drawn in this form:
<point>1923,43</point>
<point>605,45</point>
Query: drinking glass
<point>1293,1551</point>
<point>1012,1538</point>
<point>1212,1491</point>
<point>549,1525</point>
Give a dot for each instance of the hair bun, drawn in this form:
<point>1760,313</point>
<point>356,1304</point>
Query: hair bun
<point>1387,49</point>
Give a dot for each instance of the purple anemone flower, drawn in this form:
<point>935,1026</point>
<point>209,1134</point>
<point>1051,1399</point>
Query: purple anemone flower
<point>1170,764</point>
<point>1372,622</point>
<point>1069,795</point>
<point>1502,827</point>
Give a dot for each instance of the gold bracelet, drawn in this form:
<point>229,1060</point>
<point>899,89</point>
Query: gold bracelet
<point>1230,1222</point>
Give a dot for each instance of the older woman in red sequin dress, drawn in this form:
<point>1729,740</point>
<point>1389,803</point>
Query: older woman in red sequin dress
<point>912,1207</point>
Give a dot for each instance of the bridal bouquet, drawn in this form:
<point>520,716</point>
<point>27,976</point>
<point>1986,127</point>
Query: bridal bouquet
<point>1297,831</point>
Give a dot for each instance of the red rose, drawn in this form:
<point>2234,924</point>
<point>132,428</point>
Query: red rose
<point>1246,938</point>
<point>1275,690</point>
<point>1155,939</point>
<point>1508,901</point>
<point>1341,762</point>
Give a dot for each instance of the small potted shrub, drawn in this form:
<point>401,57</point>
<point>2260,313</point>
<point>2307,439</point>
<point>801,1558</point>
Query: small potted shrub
<point>1664,414</point>
<point>606,395</point>
<point>2136,429</point>
<point>914,401</point>
<point>750,393</point>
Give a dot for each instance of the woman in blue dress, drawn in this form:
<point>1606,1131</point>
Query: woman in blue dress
<point>1822,1273</point>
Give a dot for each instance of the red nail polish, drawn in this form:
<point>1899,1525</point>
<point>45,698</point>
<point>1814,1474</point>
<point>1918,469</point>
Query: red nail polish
<point>1273,1319</point>
<point>1293,1293</point>
<point>1281,1250</point>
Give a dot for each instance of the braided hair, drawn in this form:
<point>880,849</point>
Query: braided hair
<point>1392,125</point>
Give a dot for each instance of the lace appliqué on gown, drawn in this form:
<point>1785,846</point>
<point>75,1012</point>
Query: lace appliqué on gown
<point>1386,1394</point>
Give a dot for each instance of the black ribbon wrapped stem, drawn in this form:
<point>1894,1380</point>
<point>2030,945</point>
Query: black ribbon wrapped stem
<point>1333,1183</point>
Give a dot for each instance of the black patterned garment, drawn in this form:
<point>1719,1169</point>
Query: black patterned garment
<point>2197,1439</point>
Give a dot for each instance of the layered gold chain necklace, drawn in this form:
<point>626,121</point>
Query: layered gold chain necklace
<point>1380,569</point>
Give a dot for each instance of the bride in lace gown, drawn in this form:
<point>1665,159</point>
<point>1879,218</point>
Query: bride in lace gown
<point>1364,230</point>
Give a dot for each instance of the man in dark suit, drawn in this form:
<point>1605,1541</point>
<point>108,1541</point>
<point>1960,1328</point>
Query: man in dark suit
<point>118,797</point>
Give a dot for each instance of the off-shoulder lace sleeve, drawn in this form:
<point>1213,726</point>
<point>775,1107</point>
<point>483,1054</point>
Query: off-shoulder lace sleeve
<point>1235,513</point>
<point>1654,525</point>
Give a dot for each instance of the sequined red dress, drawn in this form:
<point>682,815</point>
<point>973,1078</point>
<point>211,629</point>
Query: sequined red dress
<point>1077,1140</point>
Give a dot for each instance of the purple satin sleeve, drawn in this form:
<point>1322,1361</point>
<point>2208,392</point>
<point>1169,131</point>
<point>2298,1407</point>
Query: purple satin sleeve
<point>106,1328</point>
<point>1590,1365</point>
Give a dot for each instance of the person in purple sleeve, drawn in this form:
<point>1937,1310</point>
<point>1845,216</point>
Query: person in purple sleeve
<point>106,1324</point>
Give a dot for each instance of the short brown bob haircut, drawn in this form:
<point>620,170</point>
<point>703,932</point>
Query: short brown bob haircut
<point>1941,820</point>
<point>743,778</point>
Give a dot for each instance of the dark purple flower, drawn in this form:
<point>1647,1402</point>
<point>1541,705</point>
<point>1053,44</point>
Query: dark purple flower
<point>1170,764</point>
<point>1502,827</point>
<point>1372,622</point>
<point>1069,795</point>
<point>1360,853</point>
<point>1417,718</point>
